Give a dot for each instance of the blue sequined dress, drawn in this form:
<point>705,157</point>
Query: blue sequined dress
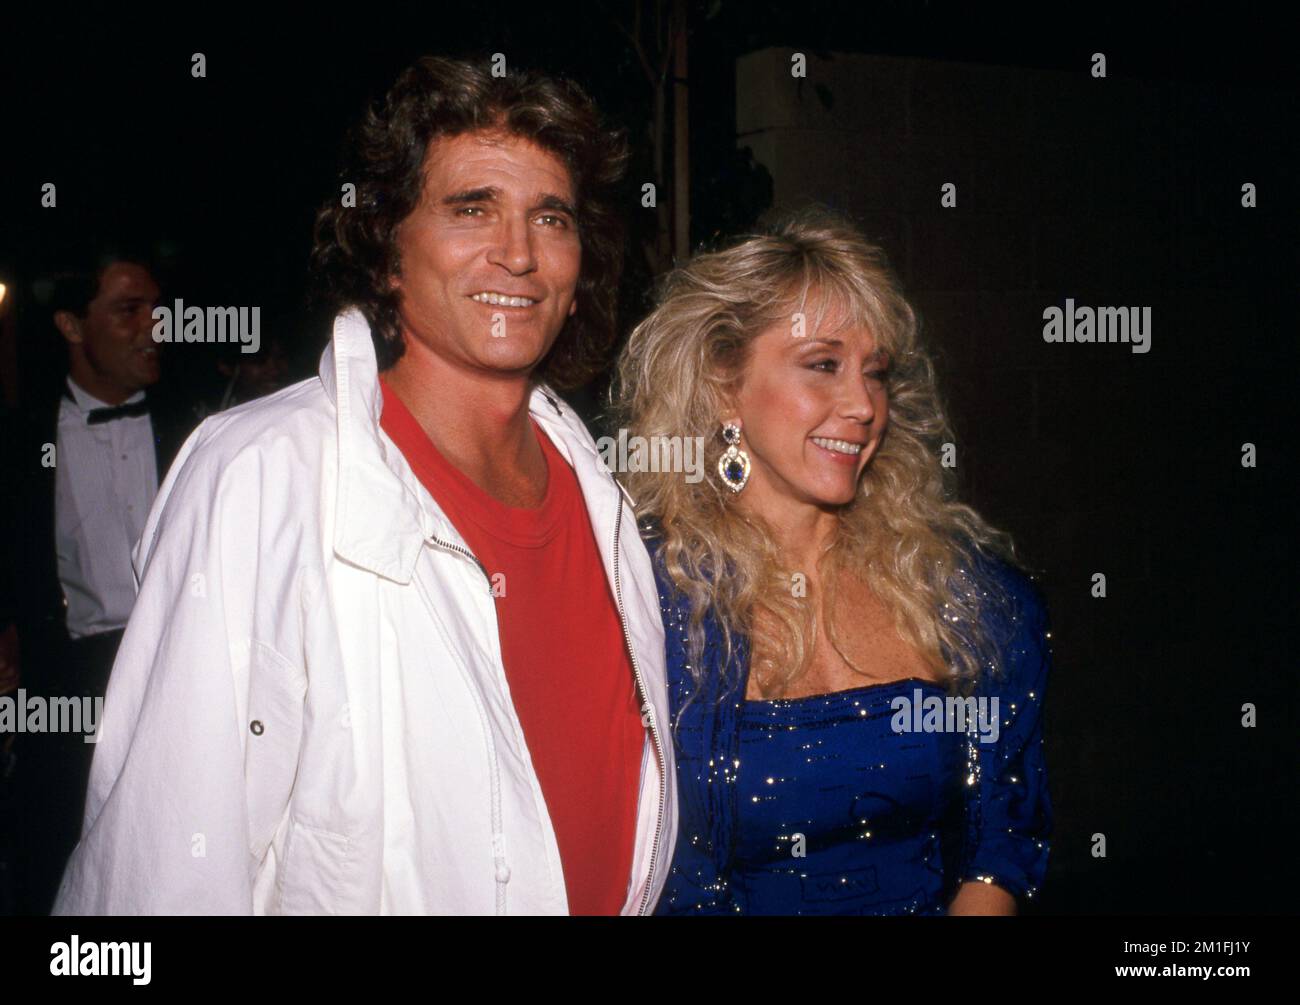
<point>817,805</point>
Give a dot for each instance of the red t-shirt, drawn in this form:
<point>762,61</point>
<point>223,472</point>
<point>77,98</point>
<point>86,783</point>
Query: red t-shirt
<point>566,660</point>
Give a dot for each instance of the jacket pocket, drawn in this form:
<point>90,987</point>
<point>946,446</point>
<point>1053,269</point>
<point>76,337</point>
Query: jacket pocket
<point>313,878</point>
<point>276,693</point>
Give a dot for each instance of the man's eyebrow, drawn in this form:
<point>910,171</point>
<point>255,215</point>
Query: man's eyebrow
<point>551,201</point>
<point>490,193</point>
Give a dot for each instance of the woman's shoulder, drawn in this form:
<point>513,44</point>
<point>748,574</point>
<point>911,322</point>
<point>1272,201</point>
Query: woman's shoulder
<point>1014,589</point>
<point>1021,586</point>
<point>674,605</point>
<point>654,539</point>
<point>652,532</point>
<point>677,601</point>
<point>1018,618</point>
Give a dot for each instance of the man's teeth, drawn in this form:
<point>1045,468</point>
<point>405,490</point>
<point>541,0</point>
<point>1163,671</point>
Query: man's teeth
<point>497,300</point>
<point>839,446</point>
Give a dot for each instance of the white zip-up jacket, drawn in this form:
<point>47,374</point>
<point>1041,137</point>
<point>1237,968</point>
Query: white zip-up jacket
<point>308,713</point>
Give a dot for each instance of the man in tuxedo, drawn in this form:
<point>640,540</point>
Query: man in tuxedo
<point>85,462</point>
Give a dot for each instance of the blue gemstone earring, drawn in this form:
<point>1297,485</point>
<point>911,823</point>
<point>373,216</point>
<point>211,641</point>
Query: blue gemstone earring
<point>733,465</point>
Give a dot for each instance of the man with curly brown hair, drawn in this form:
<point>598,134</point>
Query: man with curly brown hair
<point>397,647</point>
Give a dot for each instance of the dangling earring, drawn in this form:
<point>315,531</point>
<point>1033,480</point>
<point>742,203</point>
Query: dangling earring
<point>733,465</point>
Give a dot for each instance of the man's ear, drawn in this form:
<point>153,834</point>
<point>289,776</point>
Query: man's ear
<point>66,323</point>
<point>573,307</point>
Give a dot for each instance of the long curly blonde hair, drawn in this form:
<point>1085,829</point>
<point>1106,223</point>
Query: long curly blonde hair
<point>904,533</point>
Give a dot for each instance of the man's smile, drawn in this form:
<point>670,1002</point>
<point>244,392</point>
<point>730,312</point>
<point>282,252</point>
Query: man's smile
<point>502,300</point>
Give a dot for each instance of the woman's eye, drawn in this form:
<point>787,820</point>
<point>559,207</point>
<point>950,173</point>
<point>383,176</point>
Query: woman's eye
<point>824,363</point>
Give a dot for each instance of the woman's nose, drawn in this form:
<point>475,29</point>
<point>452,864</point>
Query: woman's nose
<point>857,403</point>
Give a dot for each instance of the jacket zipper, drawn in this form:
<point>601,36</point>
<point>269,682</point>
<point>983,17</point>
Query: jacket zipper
<point>468,554</point>
<point>498,853</point>
<point>646,710</point>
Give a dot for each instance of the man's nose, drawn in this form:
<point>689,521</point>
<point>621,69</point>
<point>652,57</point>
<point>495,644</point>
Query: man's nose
<point>514,249</point>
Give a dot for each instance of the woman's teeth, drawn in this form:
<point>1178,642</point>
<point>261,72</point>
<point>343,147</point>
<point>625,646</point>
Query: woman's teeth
<point>839,446</point>
<point>497,300</point>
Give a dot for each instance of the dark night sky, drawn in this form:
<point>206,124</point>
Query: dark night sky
<point>229,169</point>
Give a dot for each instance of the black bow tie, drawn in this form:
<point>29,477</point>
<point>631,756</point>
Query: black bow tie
<point>98,415</point>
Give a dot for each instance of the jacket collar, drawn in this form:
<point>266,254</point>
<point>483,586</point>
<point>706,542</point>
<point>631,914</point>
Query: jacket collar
<point>381,521</point>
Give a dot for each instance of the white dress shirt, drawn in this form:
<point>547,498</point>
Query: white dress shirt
<point>106,477</point>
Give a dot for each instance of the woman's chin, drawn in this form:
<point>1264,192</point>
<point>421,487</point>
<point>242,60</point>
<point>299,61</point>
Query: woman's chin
<point>828,497</point>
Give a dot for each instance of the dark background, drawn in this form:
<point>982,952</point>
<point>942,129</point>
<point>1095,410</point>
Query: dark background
<point>1123,191</point>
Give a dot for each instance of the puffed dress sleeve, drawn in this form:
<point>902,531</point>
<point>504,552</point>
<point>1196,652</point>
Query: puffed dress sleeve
<point>1009,811</point>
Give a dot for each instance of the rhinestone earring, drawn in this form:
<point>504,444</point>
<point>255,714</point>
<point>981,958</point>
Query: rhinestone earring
<point>733,465</point>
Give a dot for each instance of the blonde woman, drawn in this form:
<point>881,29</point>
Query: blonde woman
<point>856,664</point>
